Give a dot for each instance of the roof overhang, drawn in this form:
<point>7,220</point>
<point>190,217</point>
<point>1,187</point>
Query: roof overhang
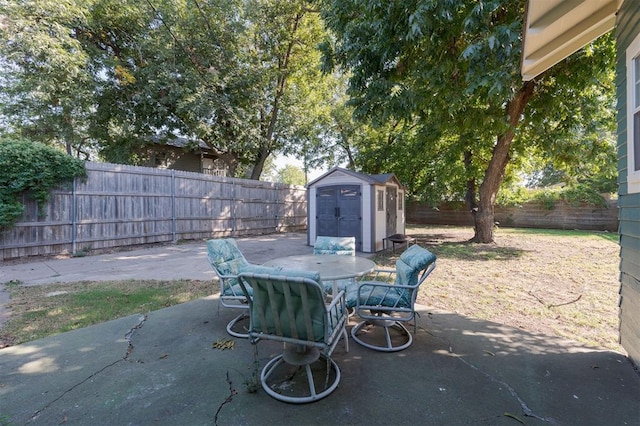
<point>554,29</point>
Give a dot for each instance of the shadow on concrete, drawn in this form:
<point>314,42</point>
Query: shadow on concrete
<point>162,368</point>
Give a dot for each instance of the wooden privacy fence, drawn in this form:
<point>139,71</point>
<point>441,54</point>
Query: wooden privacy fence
<point>531,215</point>
<point>121,205</point>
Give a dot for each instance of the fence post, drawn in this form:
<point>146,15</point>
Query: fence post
<point>233,208</point>
<point>173,207</point>
<point>74,217</point>
<point>279,191</point>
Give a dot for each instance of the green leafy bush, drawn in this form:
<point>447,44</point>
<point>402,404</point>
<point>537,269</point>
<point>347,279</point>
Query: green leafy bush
<point>547,198</point>
<point>582,193</point>
<point>32,168</point>
<point>573,194</point>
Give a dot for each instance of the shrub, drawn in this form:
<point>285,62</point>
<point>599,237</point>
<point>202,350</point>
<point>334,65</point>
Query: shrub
<point>574,194</point>
<point>581,193</point>
<point>32,168</point>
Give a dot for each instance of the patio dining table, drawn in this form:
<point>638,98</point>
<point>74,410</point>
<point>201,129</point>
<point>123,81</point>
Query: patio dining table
<point>331,267</point>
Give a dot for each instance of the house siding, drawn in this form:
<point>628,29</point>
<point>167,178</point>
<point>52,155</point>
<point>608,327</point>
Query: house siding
<point>627,28</point>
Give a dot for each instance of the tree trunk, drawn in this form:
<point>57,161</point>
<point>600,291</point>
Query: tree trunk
<point>258,166</point>
<point>470,193</point>
<point>484,218</point>
<point>284,73</point>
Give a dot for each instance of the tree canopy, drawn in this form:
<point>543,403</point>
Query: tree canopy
<point>441,80</point>
<point>428,90</point>
<point>242,76</point>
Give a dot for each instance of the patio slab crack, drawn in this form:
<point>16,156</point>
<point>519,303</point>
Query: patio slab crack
<point>526,410</point>
<point>128,337</point>
<point>232,392</point>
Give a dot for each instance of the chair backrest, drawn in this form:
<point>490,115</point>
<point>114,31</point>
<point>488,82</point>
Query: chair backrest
<point>414,265</point>
<point>287,305</point>
<point>335,245</point>
<point>225,257</point>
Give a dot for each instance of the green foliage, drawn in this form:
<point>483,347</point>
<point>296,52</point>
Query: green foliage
<point>46,89</point>
<point>32,168</point>
<point>548,197</point>
<point>291,175</point>
<point>583,194</point>
<point>441,83</point>
<point>241,76</point>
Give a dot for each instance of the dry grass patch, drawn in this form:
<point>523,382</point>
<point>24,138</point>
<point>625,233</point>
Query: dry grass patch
<point>562,283</point>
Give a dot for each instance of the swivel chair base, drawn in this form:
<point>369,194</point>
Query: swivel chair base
<point>386,325</point>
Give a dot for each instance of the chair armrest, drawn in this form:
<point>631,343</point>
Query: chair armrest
<point>374,294</point>
<point>380,275</point>
<point>338,299</point>
<point>226,277</point>
<point>384,284</point>
<point>336,313</point>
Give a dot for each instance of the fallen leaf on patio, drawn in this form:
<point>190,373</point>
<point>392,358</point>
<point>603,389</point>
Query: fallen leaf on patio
<point>513,417</point>
<point>222,344</point>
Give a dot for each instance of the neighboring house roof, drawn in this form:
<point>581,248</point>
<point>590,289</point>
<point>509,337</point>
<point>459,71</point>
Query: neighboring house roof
<point>179,142</point>
<point>554,29</point>
<point>379,179</point>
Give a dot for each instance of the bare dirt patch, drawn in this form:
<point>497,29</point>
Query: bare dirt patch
<point>553,282</point>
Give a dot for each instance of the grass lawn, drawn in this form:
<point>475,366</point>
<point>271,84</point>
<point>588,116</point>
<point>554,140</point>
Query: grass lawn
<point>40,311</point>
<point>562,283</point>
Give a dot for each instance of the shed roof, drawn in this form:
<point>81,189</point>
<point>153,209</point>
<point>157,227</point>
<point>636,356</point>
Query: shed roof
<point>378,179</point>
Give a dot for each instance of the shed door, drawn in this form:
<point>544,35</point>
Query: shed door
<point>338,212</point>
<point>392,211</point>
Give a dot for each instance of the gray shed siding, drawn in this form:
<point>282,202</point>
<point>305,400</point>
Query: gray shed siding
<point>627,28</point>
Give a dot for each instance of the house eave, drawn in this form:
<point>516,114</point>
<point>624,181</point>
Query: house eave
<point>554,29</point>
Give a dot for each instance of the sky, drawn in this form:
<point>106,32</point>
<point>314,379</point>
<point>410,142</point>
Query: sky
<point>283,160</point>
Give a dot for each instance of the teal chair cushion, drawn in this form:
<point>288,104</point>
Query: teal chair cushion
<point>278,306</point>
<point>408,268</point>
<point>378,296</point>
<point>225,256</point>
<point>343,284</point>
<point>279,270</point>
<point>410,263</point>
<point>227,260</point>
<point>335,245</point>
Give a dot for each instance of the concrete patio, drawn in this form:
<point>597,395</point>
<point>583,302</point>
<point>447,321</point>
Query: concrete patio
<point>162,368</point>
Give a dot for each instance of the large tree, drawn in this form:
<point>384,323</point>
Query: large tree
<point>235,74</point>
<point>46,91</point>
<point>444,77</point>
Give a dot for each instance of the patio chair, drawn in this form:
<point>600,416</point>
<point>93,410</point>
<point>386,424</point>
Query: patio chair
<point>384,305</point>
<point>344,246</point>
<point>289,306</point>
<point>335,245</point>
<point>228,261</point>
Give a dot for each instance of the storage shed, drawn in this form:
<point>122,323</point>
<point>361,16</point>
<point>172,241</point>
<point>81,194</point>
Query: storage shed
<point>343,203</point>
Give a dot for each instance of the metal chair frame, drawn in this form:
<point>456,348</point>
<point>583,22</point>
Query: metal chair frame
<point>231,294</point>
<point>374,308</point>
<point>282,309</point>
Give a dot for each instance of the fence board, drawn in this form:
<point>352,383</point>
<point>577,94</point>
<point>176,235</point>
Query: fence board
<point>121,205</point>
<point>530,215</point>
